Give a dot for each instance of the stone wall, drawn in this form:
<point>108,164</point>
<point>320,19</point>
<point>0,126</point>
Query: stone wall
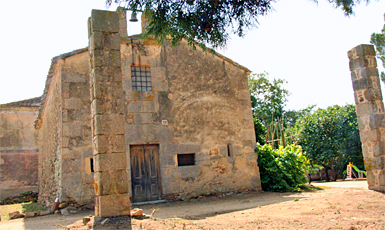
<point>18,150</point>
<point>49,128</point>
<point>76,145</point>
<point>65,126</point>
<point>199,103</point>
<point>370,112</point>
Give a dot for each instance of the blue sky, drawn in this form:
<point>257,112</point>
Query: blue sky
<point>302,42</point>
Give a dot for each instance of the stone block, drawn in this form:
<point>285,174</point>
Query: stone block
<point>104,40</point>
<point>73,77</point>
<point>110,161</point>
<point>108,106</point>
<point>370,107</point>
<point>363,50</point>
<point>87,152</point>
<point>102,20</point>
<point>117,144</point>
<point>122,21</point>
<point>70,153</point>
<point>370,135</point>
<point>127,86</point>
<point>371,179</point>
<point>100,144</point>
<point>373,148</point>
<point>248,134</point>
<point>79,90</point>
<point>143,118</point>
<point>106,74</point>
<point>377,121</point>
<point>70,115</point>
<point>150,106</point>
<point>172,148</point>
<point>374,163</point>
<point>71,165</point>
<point>135,106</point>
<point>188,171</point>
<point>109,58</point>
<point>113,205</point>
<point>369,95</point>
<point>363,123</point>
<point>110,124</point>
<point>359,97</point>
<point>366,82</point>
<point>381,177</point>
<point>361,62</point>
<point>111,182</point>
<point>30,214</point>
<point>72,129</point>
<point>108,90</point>
<point>364,73</point>
<point>72,103</point>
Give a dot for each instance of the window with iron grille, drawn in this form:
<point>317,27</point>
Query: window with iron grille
<point>141,78</point>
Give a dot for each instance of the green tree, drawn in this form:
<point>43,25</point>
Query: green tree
<point>330,138</point>
<point>268,99</point>
<point>291,116</point>
<point>378,40</point>
<point>208,22</point>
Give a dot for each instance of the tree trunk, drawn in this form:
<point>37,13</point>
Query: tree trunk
<point>326,173</point>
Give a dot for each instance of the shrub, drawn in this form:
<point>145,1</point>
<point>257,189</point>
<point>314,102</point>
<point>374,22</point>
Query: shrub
<point>282,169</point>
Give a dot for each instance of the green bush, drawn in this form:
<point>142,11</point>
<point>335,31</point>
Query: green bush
<point>282,169</point>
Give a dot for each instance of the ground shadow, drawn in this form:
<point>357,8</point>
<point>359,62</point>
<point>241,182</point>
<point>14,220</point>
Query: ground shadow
<point>202,208</point>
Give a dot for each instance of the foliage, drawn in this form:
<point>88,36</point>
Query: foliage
<point>291,116</point>
<point>268,98</point>
<point>282,169</point>
<point>378,40</point>
<point>331,138</point>
<point>207,22</point>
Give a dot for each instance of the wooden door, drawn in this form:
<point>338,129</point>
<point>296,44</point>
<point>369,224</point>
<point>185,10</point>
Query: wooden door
<point>145,176</point>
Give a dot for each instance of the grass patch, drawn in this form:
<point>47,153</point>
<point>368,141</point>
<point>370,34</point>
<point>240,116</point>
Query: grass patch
<point>307,188</point>
<point>22,208</point>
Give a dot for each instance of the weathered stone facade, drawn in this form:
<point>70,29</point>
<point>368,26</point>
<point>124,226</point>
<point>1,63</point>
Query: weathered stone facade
<point>64,125</point>
<point>370,112</point>
<point>167,122</point>
<point>18,147</point>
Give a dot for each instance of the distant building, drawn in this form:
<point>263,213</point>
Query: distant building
<point>18,147</point>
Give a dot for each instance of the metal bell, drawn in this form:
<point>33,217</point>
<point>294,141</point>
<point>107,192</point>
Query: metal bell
<point>133,17</point>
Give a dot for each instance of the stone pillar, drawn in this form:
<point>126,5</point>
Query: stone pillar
<point>122,12</point>
<point>370,112</point>
<point>107,111</point>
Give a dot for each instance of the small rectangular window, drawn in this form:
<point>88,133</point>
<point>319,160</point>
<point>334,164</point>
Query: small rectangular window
<point>141,78</point>
<point>186,159</point>
<point>92,164</point>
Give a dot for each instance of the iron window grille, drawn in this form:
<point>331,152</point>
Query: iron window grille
<point>141,78</point>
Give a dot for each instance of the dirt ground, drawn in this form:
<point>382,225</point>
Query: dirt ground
<point>344,205</point>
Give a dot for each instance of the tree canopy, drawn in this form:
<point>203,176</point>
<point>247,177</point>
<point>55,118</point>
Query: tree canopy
<point>378,40</point>
<point>208,22</point>
<point>331,137</point>
<point>268,99</point>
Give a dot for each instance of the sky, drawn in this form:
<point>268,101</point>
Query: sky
<point>300,41</point>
